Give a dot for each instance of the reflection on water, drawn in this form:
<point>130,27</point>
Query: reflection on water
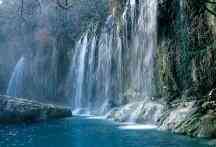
<point>87,132</point>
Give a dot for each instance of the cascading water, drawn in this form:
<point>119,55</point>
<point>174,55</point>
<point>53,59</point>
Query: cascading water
<point>15,87</point>
<point>96,69</point>
<point>109,67</point>
<point>120,57</point>
<point>78,71</point>
<point>142,44</point>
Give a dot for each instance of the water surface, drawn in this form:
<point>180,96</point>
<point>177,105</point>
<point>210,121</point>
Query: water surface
<point>86,132</point>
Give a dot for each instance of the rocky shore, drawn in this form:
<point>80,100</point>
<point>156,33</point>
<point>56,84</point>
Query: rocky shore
<point>189,117</point>
<point>14,110</point>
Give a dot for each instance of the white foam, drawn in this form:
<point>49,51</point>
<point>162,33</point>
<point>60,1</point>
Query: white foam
<point>81,112</point>
<point>89,116</point>
<point>96,117</point>
<point>138,127</point>
<point>82,115</point>
<point>127,123</point>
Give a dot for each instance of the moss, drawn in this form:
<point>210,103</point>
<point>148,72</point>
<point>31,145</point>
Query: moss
<point>166,83</point>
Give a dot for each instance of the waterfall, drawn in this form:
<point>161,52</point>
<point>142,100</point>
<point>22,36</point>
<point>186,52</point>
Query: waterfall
<point>15,87</point>
<point>109,64</point>
<point>142,45</point>
<point>117,58</point>
<point>107,61</point>
<point>78,71</point>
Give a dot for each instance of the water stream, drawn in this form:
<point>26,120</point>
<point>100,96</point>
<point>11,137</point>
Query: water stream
<point>90,132</point>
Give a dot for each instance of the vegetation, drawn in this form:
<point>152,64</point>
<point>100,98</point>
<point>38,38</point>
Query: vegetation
<point>206,4</point>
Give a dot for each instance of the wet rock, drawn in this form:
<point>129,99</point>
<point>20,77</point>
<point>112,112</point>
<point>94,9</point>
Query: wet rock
<point>13,110</point>
<point>212,95</point>
<point>209,106</point>
<point>208,126</point>
<point>182,117</point>
<point>146,111</point>
<point>176,116</point>
<point>189,119</point>
<point>122,114</point>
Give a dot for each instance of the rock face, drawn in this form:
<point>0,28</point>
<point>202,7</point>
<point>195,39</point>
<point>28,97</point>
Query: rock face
<point>13,110</point>
<point>146,111</point>
<point>185,61</point>
<point>189,118</point>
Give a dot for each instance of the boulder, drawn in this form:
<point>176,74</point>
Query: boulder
<point>14,110</point>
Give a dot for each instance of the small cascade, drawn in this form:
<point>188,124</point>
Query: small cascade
<point>16,87</point>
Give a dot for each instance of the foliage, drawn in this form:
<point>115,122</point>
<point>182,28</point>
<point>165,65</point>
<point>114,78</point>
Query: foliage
<point>206,4</point>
